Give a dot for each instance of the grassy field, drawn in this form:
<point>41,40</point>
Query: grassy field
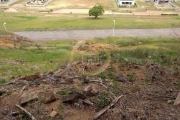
<point>138,50</point>
<point>28,22</point>
<point>42,57</point>
<point>14,62</point>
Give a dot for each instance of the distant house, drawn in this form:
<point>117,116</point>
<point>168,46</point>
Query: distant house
<point>157,2</point>
<point>3,0</point>
<point>125,2</point>
<point>7,2</point>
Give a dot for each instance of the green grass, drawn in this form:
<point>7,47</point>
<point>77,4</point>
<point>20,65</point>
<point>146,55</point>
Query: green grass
<point>14,62</point>
<point>2,32</point>
<point>137,50</point>
<point>39,22</point>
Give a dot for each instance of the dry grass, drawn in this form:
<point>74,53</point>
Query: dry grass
<point>81,3</point>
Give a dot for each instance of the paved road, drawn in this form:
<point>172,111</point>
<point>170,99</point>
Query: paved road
<point>87,34</point>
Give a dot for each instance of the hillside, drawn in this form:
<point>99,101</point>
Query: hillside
<point>122,78</point>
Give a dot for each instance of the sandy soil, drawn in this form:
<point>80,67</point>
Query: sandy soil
<point>11,10</point>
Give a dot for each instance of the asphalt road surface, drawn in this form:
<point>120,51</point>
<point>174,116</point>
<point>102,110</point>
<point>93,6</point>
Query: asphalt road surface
<point>87,34</point>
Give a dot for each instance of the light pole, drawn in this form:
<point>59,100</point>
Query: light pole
<point>113,26</point>
<point>5,26</point>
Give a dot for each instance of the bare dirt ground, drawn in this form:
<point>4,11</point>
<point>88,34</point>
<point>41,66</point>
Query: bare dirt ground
<point>80,7</point>
<point>9,41</point>
<point>147,92</point>
<point>71,4</point>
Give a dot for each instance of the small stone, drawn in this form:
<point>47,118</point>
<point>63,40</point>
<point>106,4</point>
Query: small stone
<point>2,91</point>
<point>87,102</point>
<point>79,104</point>
<point>136,67</point>
<point>177,101</point>
<point>149,57</point>
<point>91,90</point>
<point>27,97</point>
<point>120,78</point>
<point>74,97</point>
<point>126,59</point>
<point>76,81</point>
<point>53,114</point>
<point>49,97</point>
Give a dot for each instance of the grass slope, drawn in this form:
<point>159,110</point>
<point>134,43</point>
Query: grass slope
<point>14,62</point>
<point>40,58</point>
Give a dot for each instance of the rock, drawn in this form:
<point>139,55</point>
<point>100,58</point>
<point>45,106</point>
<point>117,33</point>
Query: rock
<point>14,114</point>
<point>32,77</point>
<point>76,81</point>
<point>120,78</point>
<point>91,90</point>
<point>74,97</point>
<point>136,67</point>
<point>49,97</point>
<point>87,102</point>
<point>177,101</point>
<point>79,104</point>
<point>149,57</point>
<point>85,80</point>
<point>2,91</point>
<point>27,97</point>
<point>98,64</point>
<point>53,114</point>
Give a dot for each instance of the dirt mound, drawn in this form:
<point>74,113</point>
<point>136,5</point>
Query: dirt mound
<point>146,92</point>
<point>90,46</point>
<point>12,41</point>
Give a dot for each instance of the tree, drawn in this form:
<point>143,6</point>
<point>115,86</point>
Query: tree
<point>96,11</point>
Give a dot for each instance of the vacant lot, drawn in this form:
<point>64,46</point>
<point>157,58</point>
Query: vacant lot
<point>58,4</point>
<point>82,3</point>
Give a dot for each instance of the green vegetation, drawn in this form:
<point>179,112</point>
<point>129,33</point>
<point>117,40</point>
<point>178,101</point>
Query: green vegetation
<point>42,58</point>
<point>29,22</point>
<point>96,11</point>
<point>65,93</point>
<point>103,100</point>
<point>51,55</point>
<point>144,50</point>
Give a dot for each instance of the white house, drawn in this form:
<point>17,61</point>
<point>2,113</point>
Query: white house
<point>125,2</point>
<point>7,2</point>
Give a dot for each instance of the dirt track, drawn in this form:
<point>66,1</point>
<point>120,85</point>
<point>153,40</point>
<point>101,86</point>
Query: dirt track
<point>87,34</point>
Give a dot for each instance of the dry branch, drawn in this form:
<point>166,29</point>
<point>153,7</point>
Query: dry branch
<point>24,110</point>
<point>23,88</point>
<point>106,108</point>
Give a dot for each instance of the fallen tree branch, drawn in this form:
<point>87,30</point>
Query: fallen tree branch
<point>24,110</point>
<point>106,108</point>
